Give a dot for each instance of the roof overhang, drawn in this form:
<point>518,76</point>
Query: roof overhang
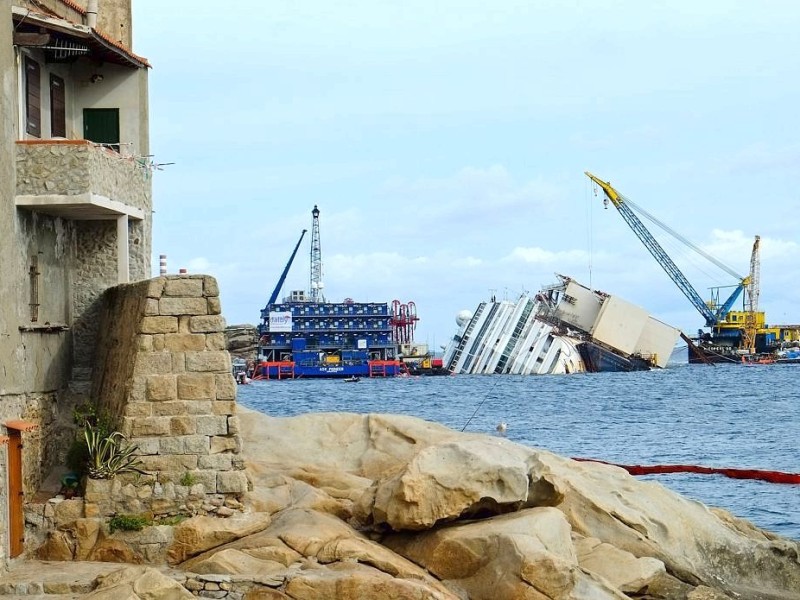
<point>98,45</point>
<point>79,207</point>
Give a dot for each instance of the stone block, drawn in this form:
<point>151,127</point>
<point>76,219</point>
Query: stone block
<point>161,324</point>
<point>183,342</point>
<point>208,362</point>
<point>178,362</point>
<point>223,407</point>
<point>97,490</point>
<point>226,387</point>
<point>217,462</point>
<point>150,426</point>
<point>172,463</point>
<point>197,444</point>
<point>147,445</point>
<point>158,342</point>
<point>162,388</point>
<point>216,341</point>
<point>155,288</point>
<point>152,363</point>
<point>151,307</point>
<point>68,511</point>
<point>214,306</point>
<point>210,287</point>
<point>231,482</point>
<point>190,288</point>
<point>212,424</point>
<point>144,343</point>
<point>170,409</point>
<point>138,390</point>
<point>196,386</point>
<point>223,444</point>
<point>207,324</point>
<point>163,506</point>
<point>138,409</point>
<point>199,407</point>
<point>182,306</point>
<point>183,425</point>
<point>183,324</point>
<point>171,445</point>
<point>233,424</point>
<point>208,479</point>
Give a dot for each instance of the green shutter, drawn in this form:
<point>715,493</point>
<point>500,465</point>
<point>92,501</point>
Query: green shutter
<point>101,125</point>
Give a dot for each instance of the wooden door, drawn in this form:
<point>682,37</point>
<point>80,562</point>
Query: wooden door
<point>16,526</point>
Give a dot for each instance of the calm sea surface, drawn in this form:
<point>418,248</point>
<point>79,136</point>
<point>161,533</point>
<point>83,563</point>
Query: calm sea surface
<point>722,416</point>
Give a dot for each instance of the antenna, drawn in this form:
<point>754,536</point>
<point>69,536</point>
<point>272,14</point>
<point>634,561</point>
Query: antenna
<point>316,285</point>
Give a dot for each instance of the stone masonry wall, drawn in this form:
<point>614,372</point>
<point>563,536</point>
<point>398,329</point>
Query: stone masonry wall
<point>163,373</point>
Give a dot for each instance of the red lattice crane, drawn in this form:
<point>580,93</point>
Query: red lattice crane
<point>404,321</point>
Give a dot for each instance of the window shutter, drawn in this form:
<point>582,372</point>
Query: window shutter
<point>33,95</point>
<point>58,108</point>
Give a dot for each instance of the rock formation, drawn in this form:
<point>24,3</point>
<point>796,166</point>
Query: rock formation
<point>377,506</point>
<point>347,506</point>
<point>242,341</point>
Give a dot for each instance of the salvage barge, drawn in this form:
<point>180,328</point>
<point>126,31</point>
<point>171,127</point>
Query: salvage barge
<point>565,328</point>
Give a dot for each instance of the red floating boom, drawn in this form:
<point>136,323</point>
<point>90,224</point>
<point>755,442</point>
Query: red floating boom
<point>770,476</point>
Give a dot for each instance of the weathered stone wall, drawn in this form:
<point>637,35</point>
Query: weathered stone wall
<point>162,370</point>
<point>74,167</point>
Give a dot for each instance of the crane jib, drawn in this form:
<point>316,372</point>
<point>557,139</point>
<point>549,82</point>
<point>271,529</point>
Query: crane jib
<point>621,204</point>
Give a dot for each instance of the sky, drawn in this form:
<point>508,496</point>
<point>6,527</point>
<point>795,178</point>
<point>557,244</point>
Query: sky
<point>445,144</point>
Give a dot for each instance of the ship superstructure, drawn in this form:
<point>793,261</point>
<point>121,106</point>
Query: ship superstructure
<point>565,328</point>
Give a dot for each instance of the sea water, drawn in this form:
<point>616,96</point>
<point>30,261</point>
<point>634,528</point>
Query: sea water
<point>717,416</point>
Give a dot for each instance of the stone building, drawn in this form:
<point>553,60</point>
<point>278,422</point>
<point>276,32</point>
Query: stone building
<point>75,219</point>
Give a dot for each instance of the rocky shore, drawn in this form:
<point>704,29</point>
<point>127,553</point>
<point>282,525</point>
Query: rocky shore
<point>347,506</point>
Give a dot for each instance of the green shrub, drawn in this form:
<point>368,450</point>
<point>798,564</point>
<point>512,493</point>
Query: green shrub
<point>188,479</point>
<point>85,415</point>
<point>128,523</point>
<point>110,455</point>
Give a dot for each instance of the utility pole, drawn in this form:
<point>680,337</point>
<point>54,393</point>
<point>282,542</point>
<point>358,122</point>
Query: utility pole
<point>316,285</point>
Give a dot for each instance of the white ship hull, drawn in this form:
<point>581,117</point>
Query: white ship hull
<point>566,328</point>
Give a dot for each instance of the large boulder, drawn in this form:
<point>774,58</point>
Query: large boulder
<point>413,481</point>
<point>242,341</point>
<point>320,550</point>
<point>201,533</point>
<point>528,554</point>
<point>138,583</point>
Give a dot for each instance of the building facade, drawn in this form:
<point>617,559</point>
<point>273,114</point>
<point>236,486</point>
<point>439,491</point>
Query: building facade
<point>75,219</point>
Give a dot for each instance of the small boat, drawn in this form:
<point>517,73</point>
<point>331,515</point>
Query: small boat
<point>353,379</point>
<point>758,359</point>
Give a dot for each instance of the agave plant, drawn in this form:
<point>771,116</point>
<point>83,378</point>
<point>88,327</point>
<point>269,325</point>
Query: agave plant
<point>110,455</point>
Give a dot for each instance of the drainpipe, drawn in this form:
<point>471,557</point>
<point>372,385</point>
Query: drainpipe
<point>91,13</point>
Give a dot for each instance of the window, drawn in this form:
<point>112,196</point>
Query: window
<point>58,109</point>
<point>101,125</point>
<point>33,98</point>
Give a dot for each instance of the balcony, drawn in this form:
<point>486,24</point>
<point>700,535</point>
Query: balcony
<point>80,180</point>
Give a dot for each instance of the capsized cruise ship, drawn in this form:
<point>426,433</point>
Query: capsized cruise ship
<point>565,328</point>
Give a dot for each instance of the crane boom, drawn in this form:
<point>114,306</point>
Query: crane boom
<point>282,278</point>
<point>753,292</point>
<point>663,258</point>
